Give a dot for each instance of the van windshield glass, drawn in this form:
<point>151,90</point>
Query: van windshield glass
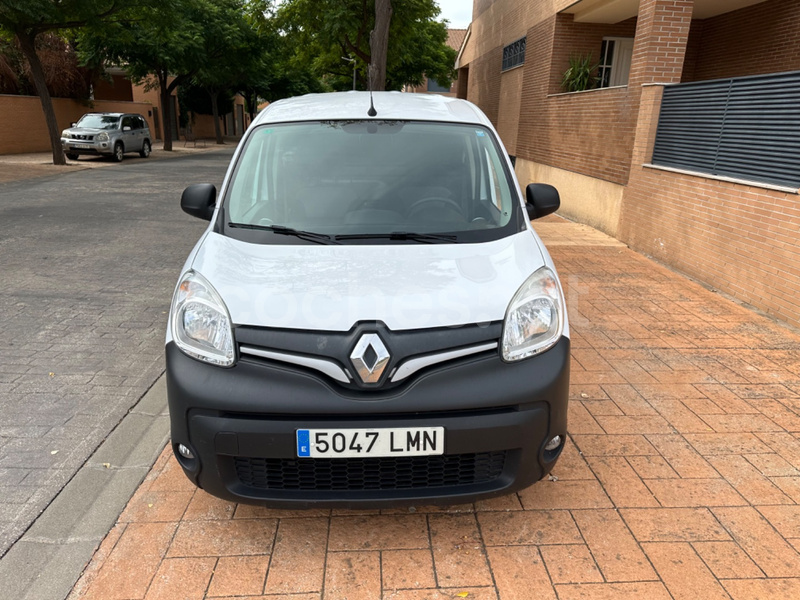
<point>98,122</point>
<point>371,182</point>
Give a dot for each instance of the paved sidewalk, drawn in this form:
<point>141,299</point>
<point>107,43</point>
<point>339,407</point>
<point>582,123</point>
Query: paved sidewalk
<point>681,478</point>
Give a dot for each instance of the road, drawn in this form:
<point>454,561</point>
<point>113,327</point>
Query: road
<point>88,261</point>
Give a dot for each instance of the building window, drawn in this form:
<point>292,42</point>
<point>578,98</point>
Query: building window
<point>435,87</point>
<point>514,54</point>
<point>604,68</point>
<point>615,62</point>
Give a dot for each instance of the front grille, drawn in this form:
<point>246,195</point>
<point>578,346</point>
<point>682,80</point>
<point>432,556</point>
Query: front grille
<point>80,136</point>
<point>353,474</point>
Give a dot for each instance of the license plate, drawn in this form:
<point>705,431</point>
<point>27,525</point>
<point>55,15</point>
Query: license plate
<point>82,146</point>
<point>351,443</point>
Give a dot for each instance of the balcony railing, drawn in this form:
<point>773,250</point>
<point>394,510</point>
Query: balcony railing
<point>746,127</point>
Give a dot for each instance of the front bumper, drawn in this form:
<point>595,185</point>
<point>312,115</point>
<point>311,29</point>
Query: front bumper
<point>240,424</point>
<point>86,147</point>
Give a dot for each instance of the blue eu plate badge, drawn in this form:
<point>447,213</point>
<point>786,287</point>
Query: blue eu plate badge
<point>303,443</point>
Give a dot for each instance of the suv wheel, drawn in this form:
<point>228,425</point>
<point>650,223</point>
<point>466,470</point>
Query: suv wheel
<point>72,156</point>
<point>145,151</point>
<point>119,152</point>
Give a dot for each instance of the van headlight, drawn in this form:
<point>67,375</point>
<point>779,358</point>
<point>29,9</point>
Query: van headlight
<point>201,325</point>
<point>535,317</point>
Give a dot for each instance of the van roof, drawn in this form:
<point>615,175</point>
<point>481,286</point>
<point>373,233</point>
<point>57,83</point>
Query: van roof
<point>389,105</point>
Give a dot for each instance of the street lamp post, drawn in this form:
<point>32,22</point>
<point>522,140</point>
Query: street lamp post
<point>352,60</point>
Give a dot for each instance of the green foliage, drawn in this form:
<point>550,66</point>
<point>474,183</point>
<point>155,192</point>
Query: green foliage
<point>63,77</point>
<point>321,32</point>
<point>197,99</point>
<point>161,39</point>
<point>231,46</point>
<point>38,16</point>
<point>580,75</point>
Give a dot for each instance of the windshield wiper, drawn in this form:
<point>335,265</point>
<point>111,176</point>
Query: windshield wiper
<point>311,236</point>
<point>400,235</point>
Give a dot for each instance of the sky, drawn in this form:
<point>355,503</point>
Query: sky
<point>457,12</point>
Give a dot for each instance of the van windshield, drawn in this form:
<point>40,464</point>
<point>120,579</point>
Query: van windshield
<point>371,182</point>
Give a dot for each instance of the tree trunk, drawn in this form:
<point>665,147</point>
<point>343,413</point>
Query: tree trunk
<point>379,45</point>
<point>166,109</point>
<point>252,102</point>
<point>215,112</point>
<point>27,43</point>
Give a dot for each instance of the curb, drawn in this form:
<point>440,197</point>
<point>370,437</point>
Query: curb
<point>46,562</point>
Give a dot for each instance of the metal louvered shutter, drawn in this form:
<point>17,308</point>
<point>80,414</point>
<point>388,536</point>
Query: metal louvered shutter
<point>747,127</point>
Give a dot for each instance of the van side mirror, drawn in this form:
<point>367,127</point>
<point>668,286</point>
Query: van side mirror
<point>199,199</point>
<point>542,199</point>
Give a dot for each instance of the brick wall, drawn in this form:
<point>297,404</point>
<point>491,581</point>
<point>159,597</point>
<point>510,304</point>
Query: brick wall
<point>462,83</point>
<point>484,82</point>
<point>588,132</point>
<point>751,41</point>
<point>739,239</point>
<point>592,132</point>
<point>118,89</point>
<point>203,127</point>
<point>508,108</point>
<point>423,88</point>
<point>662,33</point>
<point>498,22</point>
<point>692,50</point>
<point>581,39</point>
<point>24,129</point>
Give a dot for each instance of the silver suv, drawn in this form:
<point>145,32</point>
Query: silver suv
<point>109,134</point>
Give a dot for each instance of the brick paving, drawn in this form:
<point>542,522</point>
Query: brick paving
<point>680,480</point>
<point>89,261</point>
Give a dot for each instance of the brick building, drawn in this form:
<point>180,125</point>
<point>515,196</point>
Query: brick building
<point>455,39</point>
<point>687,147</point>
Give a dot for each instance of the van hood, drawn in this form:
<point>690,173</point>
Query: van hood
<point>330,288</point>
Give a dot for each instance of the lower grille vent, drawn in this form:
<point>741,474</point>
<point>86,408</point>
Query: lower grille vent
<point>390,473</point>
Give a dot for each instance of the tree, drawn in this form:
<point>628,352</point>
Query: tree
<point>63,77</point>
<point>322,32</point>
<point>26,20</point>
<point>162,40</point>
<point>198,100</point>
<point>232,49</point>
<point>379,45</point>
<point>273,72</point>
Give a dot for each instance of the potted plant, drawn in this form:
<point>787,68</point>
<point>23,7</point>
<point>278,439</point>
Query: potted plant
<point>580,75</point>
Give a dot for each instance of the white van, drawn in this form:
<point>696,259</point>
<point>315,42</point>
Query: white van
<point>369,319</point>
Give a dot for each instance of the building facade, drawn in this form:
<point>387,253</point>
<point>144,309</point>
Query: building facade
<point>455,39</point>
<point>685,144</point>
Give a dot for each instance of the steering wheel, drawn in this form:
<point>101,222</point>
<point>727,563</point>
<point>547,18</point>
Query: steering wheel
<point>417,206</point>
<point>265,221</point>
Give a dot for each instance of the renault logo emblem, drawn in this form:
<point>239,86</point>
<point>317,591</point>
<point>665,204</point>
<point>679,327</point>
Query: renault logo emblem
<point>370,358</point>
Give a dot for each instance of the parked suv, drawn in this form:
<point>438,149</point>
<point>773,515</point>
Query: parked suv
<point>110,134</point>
<point>369,318</point>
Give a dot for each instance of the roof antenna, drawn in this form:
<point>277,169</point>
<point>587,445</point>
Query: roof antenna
<point>371,112</point>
